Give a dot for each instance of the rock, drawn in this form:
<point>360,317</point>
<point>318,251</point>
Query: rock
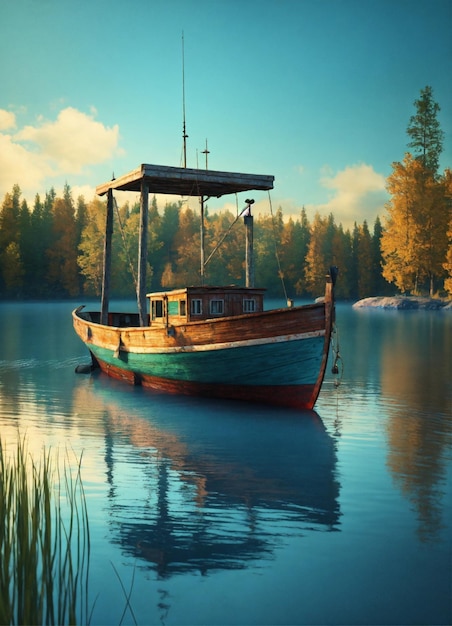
<point>404,303</point>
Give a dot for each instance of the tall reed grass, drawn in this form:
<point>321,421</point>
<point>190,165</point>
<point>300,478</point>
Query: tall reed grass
<point>44,540</point>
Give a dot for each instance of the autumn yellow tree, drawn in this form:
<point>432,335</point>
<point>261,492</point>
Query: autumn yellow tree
<point>400,236</point>
<point>90,259</point>
<point>448,263</point>
<point>414,242</point>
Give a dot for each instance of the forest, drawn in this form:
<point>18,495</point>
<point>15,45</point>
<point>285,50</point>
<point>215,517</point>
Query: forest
<point>54,249</point>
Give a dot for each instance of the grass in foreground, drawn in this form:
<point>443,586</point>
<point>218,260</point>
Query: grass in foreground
<point>44,541</point>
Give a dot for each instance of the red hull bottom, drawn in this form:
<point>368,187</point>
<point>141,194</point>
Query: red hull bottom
<point>293,396</point>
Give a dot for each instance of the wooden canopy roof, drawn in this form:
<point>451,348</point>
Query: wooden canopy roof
<point>186,181</point>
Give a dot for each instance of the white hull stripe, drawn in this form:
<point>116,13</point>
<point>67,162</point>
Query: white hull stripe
<point>246,343</point>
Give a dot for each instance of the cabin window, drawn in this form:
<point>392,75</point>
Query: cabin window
<point>156,309</point>
<point>249,305</point>
<point>217,307</point>
<point>182,307</point>
<point>196,307</point>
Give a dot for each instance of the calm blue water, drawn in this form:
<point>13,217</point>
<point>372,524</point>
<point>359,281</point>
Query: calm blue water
<point>223,513</point>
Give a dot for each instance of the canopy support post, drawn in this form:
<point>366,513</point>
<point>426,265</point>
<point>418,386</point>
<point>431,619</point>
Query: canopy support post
<point>107,260</point>
<point>249,253</point>
<point>143,253</point>
<point>201,200</point>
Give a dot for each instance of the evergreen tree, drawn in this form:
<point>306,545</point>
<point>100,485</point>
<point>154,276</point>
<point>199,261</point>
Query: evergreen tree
<point>186,242</point>
<point>381,287</point>
<point>364,241</point>
<point>225,249</point>
<point>354,262</point>
<point>26,247</point>
<point>91,247</point>
<point>11,262</point>
<point>318,258</point>
<point>342,254</point>
<point>166,231</point>
<point>425,131</point>
<point>302,237</point>
<point>265,260</point>
<point>414,241</point>
<point>12,269</point>
<point>63,268</point>
<point>292,258</point>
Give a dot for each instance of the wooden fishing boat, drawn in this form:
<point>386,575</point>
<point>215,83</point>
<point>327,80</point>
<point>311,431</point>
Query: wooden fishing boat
<point>208,340</point>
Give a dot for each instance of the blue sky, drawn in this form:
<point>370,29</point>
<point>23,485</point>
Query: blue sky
<point>316,92</point>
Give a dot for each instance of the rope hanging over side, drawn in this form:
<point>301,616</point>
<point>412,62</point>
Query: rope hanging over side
<point>126,247</point>
<point>280,272</point>
<point>338,364</point>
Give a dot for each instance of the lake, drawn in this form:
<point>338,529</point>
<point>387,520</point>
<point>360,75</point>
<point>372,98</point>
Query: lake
<point>213,512</point>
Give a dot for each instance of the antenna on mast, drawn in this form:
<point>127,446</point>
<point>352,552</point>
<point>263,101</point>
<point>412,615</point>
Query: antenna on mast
<point>184,132</point>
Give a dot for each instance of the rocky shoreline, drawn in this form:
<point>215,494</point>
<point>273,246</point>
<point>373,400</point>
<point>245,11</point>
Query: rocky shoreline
<point>404,303</point>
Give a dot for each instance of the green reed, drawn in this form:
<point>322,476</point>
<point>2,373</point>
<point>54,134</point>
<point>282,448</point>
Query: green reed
<point>44,540</point>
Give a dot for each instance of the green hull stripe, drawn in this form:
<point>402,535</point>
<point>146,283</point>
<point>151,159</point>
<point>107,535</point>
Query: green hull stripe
<point>290,363</point>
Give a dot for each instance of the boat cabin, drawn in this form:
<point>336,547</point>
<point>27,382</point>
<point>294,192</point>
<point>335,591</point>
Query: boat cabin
<point>200,303</point>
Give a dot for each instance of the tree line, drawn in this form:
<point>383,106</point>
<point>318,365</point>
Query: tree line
<point>54,249</point>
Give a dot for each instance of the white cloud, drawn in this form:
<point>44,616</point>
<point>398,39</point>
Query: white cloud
<point>36,155</point>
<point>73,141</point>
<point>7,120</point>
<point>358,194</point>
<point>20,166</point>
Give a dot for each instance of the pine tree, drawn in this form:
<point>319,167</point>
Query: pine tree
<point>380,285</point>
<point>448,262</point>
<point>265,247</point>
<point>425,131</point>
<point>364,256</point>
<point>302,237</point>
<point>343,257</point>
<point>63,268</point>
<point>414,242</point>
<point>11,262</point>
<point>187,244</point>
<point>317,261</point>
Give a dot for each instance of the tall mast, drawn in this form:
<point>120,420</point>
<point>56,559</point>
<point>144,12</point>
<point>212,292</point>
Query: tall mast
<point>206,152</point>
<point>184,130</point>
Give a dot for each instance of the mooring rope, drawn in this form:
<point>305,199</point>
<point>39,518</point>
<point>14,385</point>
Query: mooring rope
<point>338,364</point>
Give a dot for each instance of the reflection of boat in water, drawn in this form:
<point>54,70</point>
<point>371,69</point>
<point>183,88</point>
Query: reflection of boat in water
<point>193,493</point>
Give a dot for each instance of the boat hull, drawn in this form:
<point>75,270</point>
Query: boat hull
<point>276,357</point>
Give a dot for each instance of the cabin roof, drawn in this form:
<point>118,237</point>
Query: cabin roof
<point>208,289</point>
<point>187,182</point>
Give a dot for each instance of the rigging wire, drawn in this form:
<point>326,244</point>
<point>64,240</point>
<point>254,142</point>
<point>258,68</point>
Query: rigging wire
<point>225,234</point>
<point>280,272</point>
<point>126,247</point>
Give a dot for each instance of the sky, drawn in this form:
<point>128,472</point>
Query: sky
<point>318,93</point>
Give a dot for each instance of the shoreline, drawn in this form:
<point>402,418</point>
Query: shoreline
<point>404,303</point>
